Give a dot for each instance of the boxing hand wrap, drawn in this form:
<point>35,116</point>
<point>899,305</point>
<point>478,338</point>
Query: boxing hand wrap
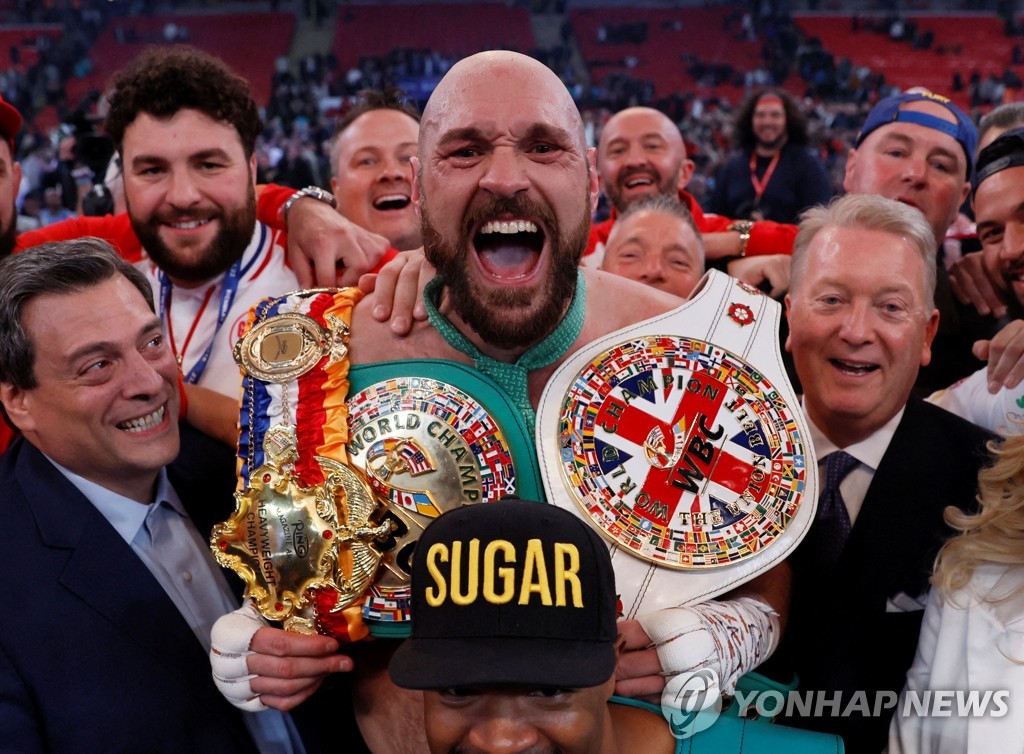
<point>229,647</point>
<point>730,636</point>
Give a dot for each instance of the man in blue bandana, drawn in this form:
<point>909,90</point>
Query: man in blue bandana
<point>918,148</point>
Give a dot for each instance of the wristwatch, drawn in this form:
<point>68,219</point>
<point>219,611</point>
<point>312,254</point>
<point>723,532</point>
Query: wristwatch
<point>743,227</point>
<point>313,192</point>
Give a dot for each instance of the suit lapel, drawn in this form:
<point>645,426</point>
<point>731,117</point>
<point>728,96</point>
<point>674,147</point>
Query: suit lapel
<point>101,568</point>
<point>897,512</point>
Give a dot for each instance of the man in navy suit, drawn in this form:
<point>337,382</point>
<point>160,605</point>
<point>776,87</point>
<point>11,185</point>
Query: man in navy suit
<point>111,590</point>
<point>862,320</point>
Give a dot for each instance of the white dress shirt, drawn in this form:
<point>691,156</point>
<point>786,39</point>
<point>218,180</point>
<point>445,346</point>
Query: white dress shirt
<point>869,451</point>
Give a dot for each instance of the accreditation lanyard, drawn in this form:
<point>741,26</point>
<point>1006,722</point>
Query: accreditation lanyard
<point>227,297</point>
<point>761,184</point>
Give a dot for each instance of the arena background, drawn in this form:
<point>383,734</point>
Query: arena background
<point>306,60</point>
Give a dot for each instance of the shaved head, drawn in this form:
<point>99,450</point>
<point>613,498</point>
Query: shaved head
<point>652,120</point>
<point>641,155</point>
<point>495,71</point>
<point>506,192</point>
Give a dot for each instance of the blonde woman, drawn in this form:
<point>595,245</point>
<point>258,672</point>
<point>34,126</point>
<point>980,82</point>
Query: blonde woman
<point>972,638</point>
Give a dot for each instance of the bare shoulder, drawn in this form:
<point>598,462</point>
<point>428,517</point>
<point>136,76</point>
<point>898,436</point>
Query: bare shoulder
<point>614,301</point>
<point>372,341</point>
<point>641,730</point>
<point>367,335</point>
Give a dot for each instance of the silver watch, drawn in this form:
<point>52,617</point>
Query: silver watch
<point>313,192</point>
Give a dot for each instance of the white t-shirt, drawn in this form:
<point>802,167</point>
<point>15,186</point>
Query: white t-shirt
<point>193,312</point>
<point>1002,413</point>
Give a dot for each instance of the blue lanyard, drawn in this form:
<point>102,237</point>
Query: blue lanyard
<point>227,298</point>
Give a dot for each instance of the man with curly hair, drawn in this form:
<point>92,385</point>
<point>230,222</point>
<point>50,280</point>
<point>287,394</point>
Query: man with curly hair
<point>773,175</point>
<point>159,86</point>
<point>185,127</point>
<point>186,130</point>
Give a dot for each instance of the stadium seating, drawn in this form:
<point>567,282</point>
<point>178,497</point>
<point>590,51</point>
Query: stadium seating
<point>453,30</point>
<point>660,58</point>
<point>982,45</point>
<point>248,42</point>
<point>23,39</point>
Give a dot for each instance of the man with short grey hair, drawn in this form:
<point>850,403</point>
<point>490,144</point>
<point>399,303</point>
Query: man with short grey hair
<point>860,330</point>
<point>656,242</point>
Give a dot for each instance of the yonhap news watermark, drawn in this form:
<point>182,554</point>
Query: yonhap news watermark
<point>928,703</point>
<point>692,702</point>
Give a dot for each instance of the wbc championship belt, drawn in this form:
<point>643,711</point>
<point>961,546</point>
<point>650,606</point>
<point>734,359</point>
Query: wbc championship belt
<point>681,441</point>
<point>341,468</point>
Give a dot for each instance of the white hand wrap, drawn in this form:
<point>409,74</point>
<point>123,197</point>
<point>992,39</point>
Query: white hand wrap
<point>731,637</point>
<point>229,647</point>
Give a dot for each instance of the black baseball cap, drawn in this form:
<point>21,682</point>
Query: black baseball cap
<point>514,593</point>
<point>1005,152</point>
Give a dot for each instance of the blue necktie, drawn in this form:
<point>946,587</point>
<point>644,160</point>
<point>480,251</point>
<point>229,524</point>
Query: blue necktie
<point>832,525</point>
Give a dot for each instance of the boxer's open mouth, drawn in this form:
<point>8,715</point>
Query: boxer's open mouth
<point>509,248</point>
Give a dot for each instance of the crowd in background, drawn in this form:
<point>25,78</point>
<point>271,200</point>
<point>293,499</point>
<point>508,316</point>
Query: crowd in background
<point>309,98</point>
<point>859,331</point>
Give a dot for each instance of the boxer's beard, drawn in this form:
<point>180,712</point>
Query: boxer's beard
<point>513,317</point>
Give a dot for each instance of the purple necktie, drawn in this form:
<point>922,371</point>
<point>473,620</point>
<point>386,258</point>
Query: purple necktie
<point>832,526</point>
